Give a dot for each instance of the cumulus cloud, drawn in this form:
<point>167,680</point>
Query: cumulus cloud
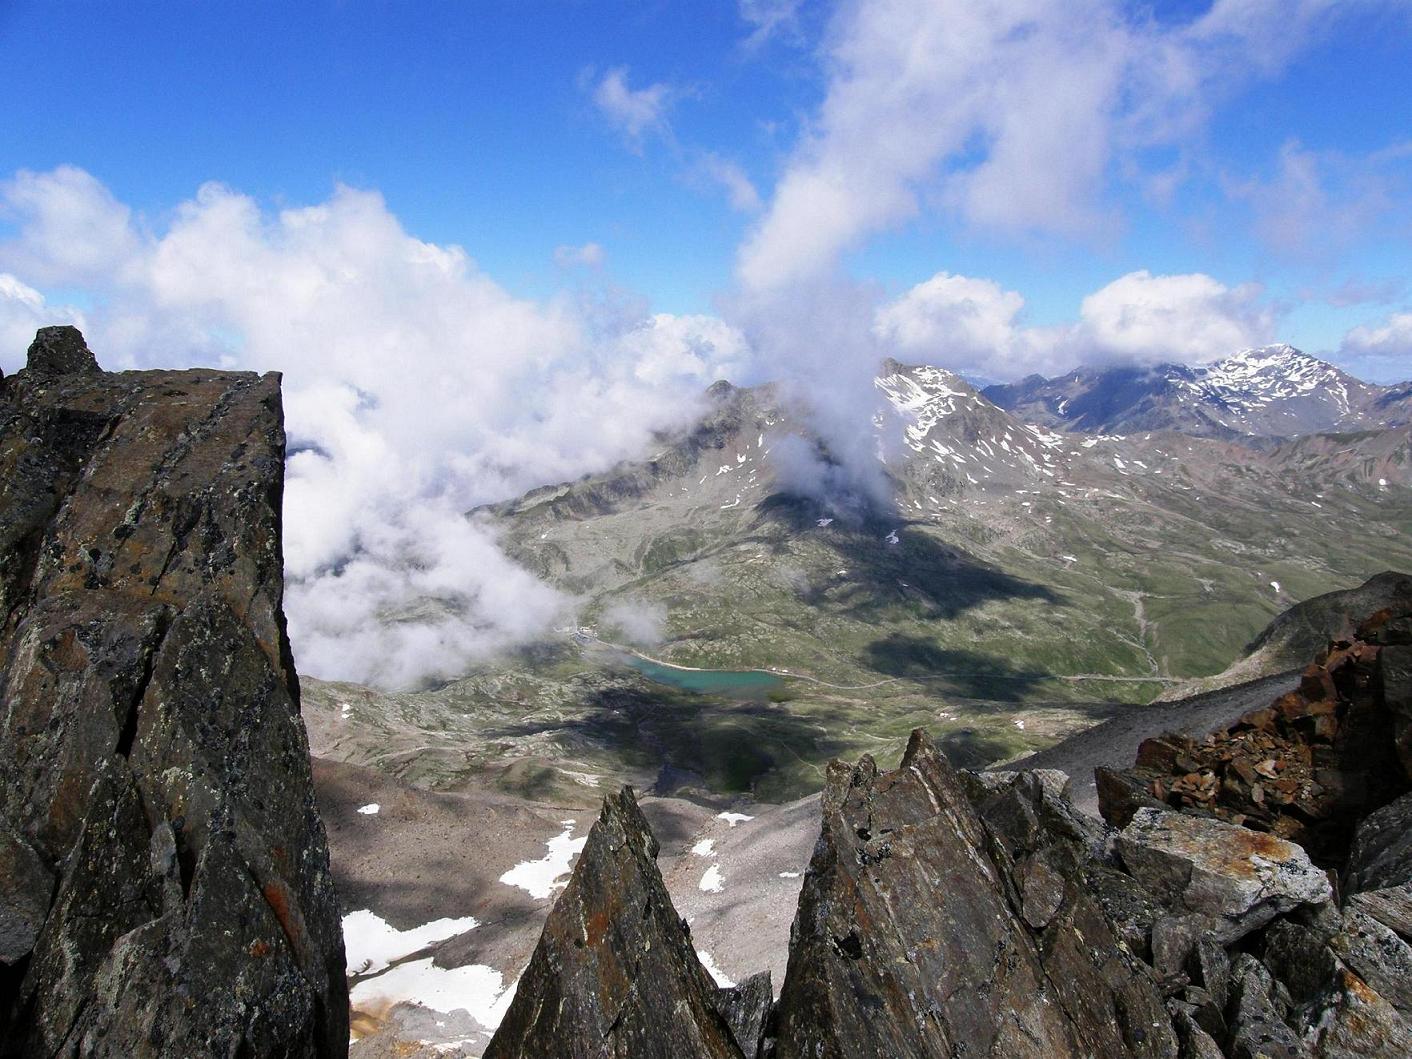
<point>1382,350</point>
<point>70,228</point>
<point>666,347</point>
<point>974,326</point>
<point>589,255</point>
<point>23,310</point>
<point>634,112</point>
<point>1193,319</point>
<point>416,388</point>
<point>1013,116</point>
<point>955,320</point>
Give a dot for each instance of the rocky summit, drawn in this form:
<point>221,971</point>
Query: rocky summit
<point>164,875</point>
<point>947,913</point>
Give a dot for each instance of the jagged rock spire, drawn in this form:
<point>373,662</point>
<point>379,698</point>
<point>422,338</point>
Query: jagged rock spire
<point>615,973</point>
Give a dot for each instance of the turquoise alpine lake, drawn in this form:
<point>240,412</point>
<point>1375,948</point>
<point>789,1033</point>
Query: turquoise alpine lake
<point>707,681</point>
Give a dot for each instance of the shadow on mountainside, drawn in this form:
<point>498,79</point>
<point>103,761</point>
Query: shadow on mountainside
<point>939,579</point>
<point>700,743</point>
<point>960,672</point>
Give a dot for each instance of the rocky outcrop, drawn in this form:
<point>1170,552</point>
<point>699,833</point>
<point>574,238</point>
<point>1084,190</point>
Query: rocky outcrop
<point>925,928</point>
<point>615,973</point>
<point>164,882</point>
<point>1306,767</point>
<point>1235,879</point>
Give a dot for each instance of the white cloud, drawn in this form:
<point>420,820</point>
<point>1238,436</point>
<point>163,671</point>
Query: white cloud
<point>1189,318</point>
<point>731,177</point>
<point>633,111</point>
<point>640,622</point>
<point>703,348</point>
<point>589,255</point>
<point>769,18</point>
<point>953,320</point>
<point>71,229</point>
<point>973,325</point>
<point>1011,115</point>
<point>416,388</point>
<point>1317,203</point>
<point>23,310</point>
<point>1382,351</point>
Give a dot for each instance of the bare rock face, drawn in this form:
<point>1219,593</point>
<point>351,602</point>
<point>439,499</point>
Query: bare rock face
<point>921,931</point>
<point>615,974</point>
<point>1239,879</point>
<point>164,881</point>
<point>1378,877</point>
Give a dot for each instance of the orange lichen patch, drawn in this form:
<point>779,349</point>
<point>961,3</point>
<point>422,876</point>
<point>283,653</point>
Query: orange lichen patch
<point>1356,987</point>
<point>597,924</point>
<point>259,948</point>
<point>281,903</point>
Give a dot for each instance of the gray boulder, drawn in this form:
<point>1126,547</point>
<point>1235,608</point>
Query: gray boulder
<point>1240,878</point>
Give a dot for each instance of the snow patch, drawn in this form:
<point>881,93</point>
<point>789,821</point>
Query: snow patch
<point>712,881</point>
<point>540,878</point>
<point>371,809</point>
<point>372,944</point>
<point>719,976</point>
<point>705,848</point>
<point>478,990</point>
<point>737,818</point>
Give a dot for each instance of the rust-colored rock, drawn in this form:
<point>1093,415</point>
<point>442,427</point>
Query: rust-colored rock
<point>1307,766</point>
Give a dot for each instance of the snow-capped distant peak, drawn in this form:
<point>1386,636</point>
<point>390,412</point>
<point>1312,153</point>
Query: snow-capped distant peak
<point>1253,379</point>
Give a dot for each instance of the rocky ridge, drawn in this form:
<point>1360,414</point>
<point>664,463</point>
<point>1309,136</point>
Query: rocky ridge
<point>164,874</point>
<point>948,913</point>
<point>1272,391</point>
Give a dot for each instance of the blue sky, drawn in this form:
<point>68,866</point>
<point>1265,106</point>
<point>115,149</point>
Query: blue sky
<point>497,245</point>
<point>479,125</point>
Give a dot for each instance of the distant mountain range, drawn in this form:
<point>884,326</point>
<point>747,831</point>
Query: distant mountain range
<point>1018,580</point>
<point>1274,391</point>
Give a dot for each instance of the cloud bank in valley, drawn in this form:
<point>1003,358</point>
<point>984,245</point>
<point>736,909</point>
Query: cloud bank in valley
<point>416,388</point>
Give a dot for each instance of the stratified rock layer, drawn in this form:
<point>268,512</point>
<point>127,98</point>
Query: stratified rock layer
<point>163,870</point>
<point>615,974</point>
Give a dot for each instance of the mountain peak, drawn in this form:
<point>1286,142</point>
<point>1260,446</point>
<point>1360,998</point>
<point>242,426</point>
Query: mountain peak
<point>1268,391</point>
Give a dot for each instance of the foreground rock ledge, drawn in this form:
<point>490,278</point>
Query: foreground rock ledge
<point>164,878</point>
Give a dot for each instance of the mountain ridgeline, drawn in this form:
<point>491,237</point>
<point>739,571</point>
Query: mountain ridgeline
<point>1275,391</point>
